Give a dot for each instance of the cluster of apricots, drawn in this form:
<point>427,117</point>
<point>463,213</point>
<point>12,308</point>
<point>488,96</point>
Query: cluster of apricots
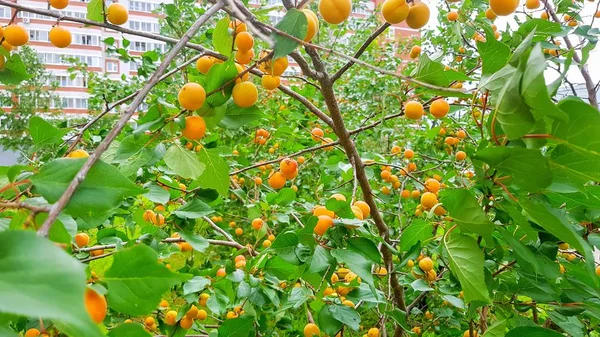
<point>153,218</point>
<point>424,268</point>
<point>416,15</point>
<point>414,110</point>
<point>318,135</point>
<point>325,217</point>
<point>186,321</point>
<point>261,136</point>
<point>288,170</point>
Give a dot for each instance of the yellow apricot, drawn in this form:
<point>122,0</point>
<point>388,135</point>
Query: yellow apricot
<point>195,128</point>
<point>439,108</point>
<point>201,314</point>
<point>186,322</point>
<point>16,35</point>
<point>428,200</point>
<point>461,155</point>
<point>277,180</point>
<point>82,239</point>
<point>313,24</point>
<point>2,61</point>
<point>95,305</point>
<point>413,110</point>
<point>244,57</point>
<point>245,94</point>
<point>426,264</point>
<point>364,208</point>
<point>270,82</point>
<point>432,185</point>
<point>532,4</point>
<point>504,7</point>
<point>171,317</point>
<point>204,63</point>
<point>323,224</point>
<point>244,41</point>
<point>418,15</point>
<point>60,37</point>
<point>335,11</point>
<point>279,66</point>
<point>373,332</point>
<point>117,14</point>
<point>394,11</point>
<point>317,134</point>
<point>311,330</point>
<point>33,332</point>
<point>59,4</point>
<point>452,16</point>
<point>191,96</point>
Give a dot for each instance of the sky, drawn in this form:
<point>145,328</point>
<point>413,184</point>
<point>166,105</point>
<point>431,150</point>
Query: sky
<point>574,75</point>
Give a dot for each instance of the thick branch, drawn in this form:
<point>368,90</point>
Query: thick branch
<point>64,199</point>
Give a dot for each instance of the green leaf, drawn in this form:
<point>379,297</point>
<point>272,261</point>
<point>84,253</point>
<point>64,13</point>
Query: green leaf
<point>534,89</point>
<point>293,23</point>
<point>218,79</point>
<point>321,260</point>
<point>327,323</point>
<point>521,48</point>
<point>345,315</point>
<point>283,197</point>
<point>129,330</point>
<point>494,54</point>
<point>365,247</point>
<point>532,331</point>
<point>221,39</point>
<point>525,257</point>
<point>355,262</point>
<point>157,194</point>
<point>497,329</point>
<point>467,213</point>
<point>236,117</point>
<point>434,72</point>
<point>14,71</point>
<point>44,133</point>
<point>26,260</point>
<point>195,285</point>
<point>281,269</point>
<point>196,241</point>
<point>511,112</point>
<point>184,162</point>
<point>527,168</point>
<point>216,172</point>
<point>420,285</point>
<point>237,327</point>
<point>103,188</point>
<point>95,11</point>
<point>136,280</point>
<point>285,246</point>
<point>542,28</point>
<point>557,225</point>
<point>578,154</point>
<point>194,209</point>
<point>466,263</point>
<point>417,231</point>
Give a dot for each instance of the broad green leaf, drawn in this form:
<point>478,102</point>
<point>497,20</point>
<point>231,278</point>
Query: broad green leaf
<point>466,263</point>
<point>281,269</point>
<point>219,79</point>
<point>38,279</point>
<point>578,154</point>
<point>95,11</point>
<point>196,241</point>
<point>136,280</point>
<point>236,117</point>
<point>532,331</point>
<point>417,231</point>
<point>285,246</point>
<point>542,28</point>
<point>497,329</point>
<point>216,172</point>
<point>134,152</point>
<point>355,262</point>
<point>194,209</point>
<point>157,194</point>
<point>527,168</point>
<point>365,247</point>
<point>44,133</point>
<point>283,197</point>
<point>467,213</point>
<point>511,112</point>
<point>184,162</point>
<point>195,285</point>
<point>521,48</point>
<point>237,327</point>
<point>570,324</point>
<point>293,23</point>
<point>557,225</point>
<point>322,259</point>
<point>434,72</point>
<point>525,257</point>
<point>534,89</point>
<point>327,323</point>
<point>494,54</point>
<point>345,315</point>
<point>221,39</point>
<point>14,71</point>
<point>129,330</point>
<point>420,285</point>
<point>103,188</point>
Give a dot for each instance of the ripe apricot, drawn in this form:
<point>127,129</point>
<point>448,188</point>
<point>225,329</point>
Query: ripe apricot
<point>202,314</point>
<point>597,14</point>
<point>323,224</point>
<point>338,196</point>
<point>386,190</point>
<point>82,239</point>
<point>405,194</point>
<point>335,11</point>
<point>415,194</point>
<point>244,41</point>
<point>257,223</point>
<point>185,247</point>
<point>204,63</point>
<point>16,35</point>
<point>413,110</point>
<point>95,305</point>
<point>598,270</point>
<point>244,57</point>
<point>171,317</point>
<point>311,330</point>
<point>221,272</point>
<point>240,69</point>
<point>313,24</point>
<point>373,332</point>
<point>288,167</point>
<point>238,26</point>
<point>245,94</point>
<point>364,208</point>
<point>279,66</point>
<point>7,45</point>
<point>317,134</point>
<point>428,200</point>
<point>394,11</point>
<point>60,37</point>
<point>322,210</point>
<point>426,264</point>
<point>191,96</point>
<point>439,108</point>
<point>452,16</point>
<point>239,231</point>
<point>532,4</point>
<point>117,14</point>
<point>33,332</point>
<point>186,323</point>
<point>192,312</point>
<point>418,15</point>
<point>396,149</point>
<point>195,128</point>
<point>544,15</point>
<point>59,4</point>
<point>504,7</point>
<point>415,51</point>
<point>461,155</point>
<point>149,321</point>
<point>327,141</point>
<point>432,185</point>
<point>277,180</point>
<point>468,334</point>
<point>270,82</point>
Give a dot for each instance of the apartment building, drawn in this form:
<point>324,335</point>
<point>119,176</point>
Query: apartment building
<point>88,47</point>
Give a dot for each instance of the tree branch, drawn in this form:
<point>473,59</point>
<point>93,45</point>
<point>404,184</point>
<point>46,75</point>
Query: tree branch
<point>64,199</point>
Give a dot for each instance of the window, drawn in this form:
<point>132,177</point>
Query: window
<point>67,81</point>
<point>5,12</point>
<point>142,6</point>
<point>133,66</point>
<point>146,46</point>
<point>49,58</point>
<point>86,40</point>
<point>80,15</point>
<point>74,103</point>
<point>112,66</point>
<point>38,35</point>
<point>144,26</point>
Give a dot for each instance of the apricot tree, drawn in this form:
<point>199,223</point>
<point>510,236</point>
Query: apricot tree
<point>436,188</point>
